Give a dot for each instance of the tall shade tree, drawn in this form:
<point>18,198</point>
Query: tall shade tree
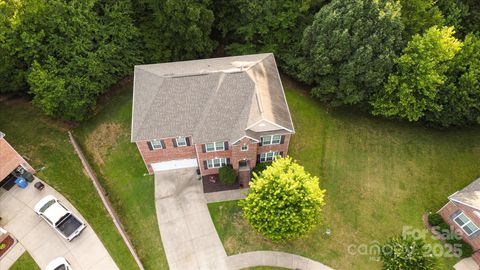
<point>284,201</point>
<point>350,49</point>
<point>419,15</point>
<point>413,89</point>
<point>70,51</point>
<point>460,95</point>
<point>175,30</point>
<point>252,26</point>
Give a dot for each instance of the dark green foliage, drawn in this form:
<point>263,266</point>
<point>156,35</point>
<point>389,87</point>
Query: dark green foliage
<point>412,90</point>
<point>69,52</point>
<point>461,246</point>
<point>419,15</point>
<point>350,49</point>
<point>406,253</point>
<point>455,13</point>
<point>227,175</point>
<point>260,167</point>
<point>435,219</point>
<point>460,95</point>
<point>175,30</point>
<point>251,26</point>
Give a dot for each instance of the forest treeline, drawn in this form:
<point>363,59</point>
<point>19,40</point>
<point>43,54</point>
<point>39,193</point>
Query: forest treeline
<point>417,60</point>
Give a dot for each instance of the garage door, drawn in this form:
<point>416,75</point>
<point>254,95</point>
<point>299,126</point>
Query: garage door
<point>174,164</point>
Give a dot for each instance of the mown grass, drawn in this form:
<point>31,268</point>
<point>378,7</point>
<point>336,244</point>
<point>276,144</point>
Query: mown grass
<point>44,142</point>
<point>105,139</point>
<point>380,177</point>
<point>25,262</point>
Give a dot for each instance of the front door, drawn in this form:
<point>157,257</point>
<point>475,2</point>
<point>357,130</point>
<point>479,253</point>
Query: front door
<point>242,163</point>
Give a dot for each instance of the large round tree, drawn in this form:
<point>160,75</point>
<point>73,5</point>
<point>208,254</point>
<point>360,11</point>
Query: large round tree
<point>284,201</point>
<point>350,49</point>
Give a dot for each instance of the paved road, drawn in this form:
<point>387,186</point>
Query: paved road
<point>86,252</point>
<point>188,234</point>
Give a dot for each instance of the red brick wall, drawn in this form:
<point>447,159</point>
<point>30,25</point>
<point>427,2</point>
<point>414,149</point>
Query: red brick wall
<point>452,207</point>
<point>169,153</point>
<point>276,147</point>
<point>234,153</point>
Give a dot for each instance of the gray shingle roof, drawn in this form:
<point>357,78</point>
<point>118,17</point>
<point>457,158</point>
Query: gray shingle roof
<point>210,100</point>
<point>470,195</point>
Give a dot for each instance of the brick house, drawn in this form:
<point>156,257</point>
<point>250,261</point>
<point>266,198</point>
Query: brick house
<point>463,213</point>
<point>11,164</point>
<point>210,113</point>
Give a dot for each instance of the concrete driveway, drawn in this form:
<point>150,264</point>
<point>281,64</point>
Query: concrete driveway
<point>42,241</point>
<point>188,234</point>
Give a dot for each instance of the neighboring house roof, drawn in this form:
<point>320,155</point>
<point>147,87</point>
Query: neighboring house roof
<point>470,195</point>
<point>9,158</point>
<point>210,100</point>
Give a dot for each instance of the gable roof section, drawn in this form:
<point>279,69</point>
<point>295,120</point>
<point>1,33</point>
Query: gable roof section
<point>470,195</point>
<point>9,158</point>
<point>210,100</point>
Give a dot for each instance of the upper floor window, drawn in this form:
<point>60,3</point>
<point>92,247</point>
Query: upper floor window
<point>156,144</point>
<point>181,141</point>
<point>271,139</point>
<point>244,147</point>
<point>216,146</point>
<point>465,224</point>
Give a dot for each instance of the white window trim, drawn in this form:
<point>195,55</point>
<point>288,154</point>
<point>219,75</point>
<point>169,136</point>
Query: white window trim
<point>244,145</point>
<point>215,149</point>
<point>466,223</point>
<point>264,156</point>
<point>262,139</point>
<point>184,140</point>
<point>159,146</point>
<point>211,163</point>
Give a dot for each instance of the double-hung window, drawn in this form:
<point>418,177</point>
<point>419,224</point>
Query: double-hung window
<point>267,157</point>
<point>271,139</point>
<point>181,141</point>
<point>156,144</point>
<point>216,162</point>
<point>216,146</point>
<point>465,224</point>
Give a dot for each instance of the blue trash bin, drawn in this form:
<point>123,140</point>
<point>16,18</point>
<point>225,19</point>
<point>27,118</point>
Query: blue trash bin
<point>22,183</point>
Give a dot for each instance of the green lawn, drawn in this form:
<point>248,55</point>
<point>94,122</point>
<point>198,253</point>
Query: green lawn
<point>379,175</point>
<point>25,262</point>
<point>45,143</point>
<point>105,139</point>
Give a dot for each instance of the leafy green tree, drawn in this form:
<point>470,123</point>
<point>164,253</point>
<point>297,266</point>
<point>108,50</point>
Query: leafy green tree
<point>284,201</point>
<point>406,253</point>
<point>350,49</point>
<point>455,13</point>
<point>412,90</point>
<point>175,30</point>
<point>460,95</point>
<point>70,51</point>
<point>252,26</point>
<point>419,15</point>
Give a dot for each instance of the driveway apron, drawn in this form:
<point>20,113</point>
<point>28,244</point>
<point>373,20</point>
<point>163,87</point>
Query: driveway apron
<point>43,243</point>
<point>189,237</point>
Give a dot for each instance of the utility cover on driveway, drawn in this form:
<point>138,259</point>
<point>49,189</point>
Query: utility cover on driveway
<point>175,164</point>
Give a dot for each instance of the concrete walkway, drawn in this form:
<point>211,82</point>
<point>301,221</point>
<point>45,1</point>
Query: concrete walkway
<point>466,264</point>
<point>228,195</point>
<point>42,241</point>
<point>273,258</point>
<point>189,237</point>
